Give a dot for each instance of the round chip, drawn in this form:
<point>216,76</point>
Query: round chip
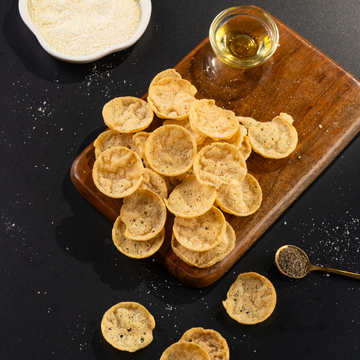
<point>172,98</point>
<point>171,73</point>
<point>127,114</point>
<point>199,139</point>
<point>136,249</point>
<point>190,198</point>
<point>170,150</point>
<point>245,148</point>
<point>210,340</point>
<point>252,195</point>
<point>144,215</point>
<point>184,350</point>
<point>117,172</point>
<point>140,141</point>
<point>128,326</point>
<point>275,139</point>
<point>251,299</point>
<point>201,233</point>
<point>212,121</point>
<point>238,138</point>
<point>154,182</point>
<point>220,164</point>
<point>242,200</point>
<point>235,140</point>
<point>111,138</point>
<point>207,258</point>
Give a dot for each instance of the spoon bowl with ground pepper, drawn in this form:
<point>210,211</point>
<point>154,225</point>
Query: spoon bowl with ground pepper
<point>293,262</point>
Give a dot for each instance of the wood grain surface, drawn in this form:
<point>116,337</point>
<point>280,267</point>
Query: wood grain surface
<point>324,101</point>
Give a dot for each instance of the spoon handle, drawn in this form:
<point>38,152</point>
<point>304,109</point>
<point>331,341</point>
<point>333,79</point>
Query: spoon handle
<point>335,271</point>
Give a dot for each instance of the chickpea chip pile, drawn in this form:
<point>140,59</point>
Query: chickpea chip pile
<point>192,166</point>
<point>198,344</point>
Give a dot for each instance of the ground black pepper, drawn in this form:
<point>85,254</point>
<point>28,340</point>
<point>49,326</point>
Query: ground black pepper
<point>292,263</point>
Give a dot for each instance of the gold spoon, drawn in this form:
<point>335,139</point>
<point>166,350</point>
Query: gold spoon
<point>309,266</point>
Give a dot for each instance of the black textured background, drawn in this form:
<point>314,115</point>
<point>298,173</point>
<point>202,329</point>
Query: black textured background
<point>59,271</point>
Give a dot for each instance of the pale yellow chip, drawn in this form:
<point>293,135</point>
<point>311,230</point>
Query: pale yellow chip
<point>241,200</point>
<point>128,326</point>
<point>136,249</point>
<point>220,164</point>
<point>210,340</point>
<point>245,148</point>
<point>171,98</point>
<point>207,258</point>
<point>201,233</point>
<point>139,139</point>
<point>127,114</point>
<point>154,182</point>
<point>251,299</point>
<point>168,73</point>
<point>170,150</point>
<point>275,139</point>
<point>190,198</point>
<point>212,121</point>
<point>199,139</point>
<point>173,181</point>
<point>111,138</point>
<point>236,140</point>
<point>144,215</point>
<point>184,350</point>
<point>117,172</point>
<point>252,195</point>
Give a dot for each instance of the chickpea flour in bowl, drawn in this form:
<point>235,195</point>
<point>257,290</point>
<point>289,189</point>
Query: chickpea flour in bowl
<point>82,31</point>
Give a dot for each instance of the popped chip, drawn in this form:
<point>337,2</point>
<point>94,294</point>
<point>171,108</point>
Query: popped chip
<point>251,299</point>
<point>241,200</point>
<point>207,258</point>
<point>220,164</point>
<point>170,150</point>
<point>190,198</point>
<point>127,114</point>
<point>128,326</point>
<point>172,98</point>
<point>144,215</point>
<point>111,138</point>
<point>201,233</point>
<point>275,139</point>
<point>154,182</point>
<point>117,172</point>
<point>199,139</point>
<point>209,120</point>
<point>185,351</point>
<point>136,249</point>
<point>168,73</point>
<point>210,340</point>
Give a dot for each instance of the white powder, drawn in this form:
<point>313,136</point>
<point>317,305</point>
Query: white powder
<point>84,27</point>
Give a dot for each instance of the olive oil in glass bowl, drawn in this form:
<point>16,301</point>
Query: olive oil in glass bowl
<point>244,36</point>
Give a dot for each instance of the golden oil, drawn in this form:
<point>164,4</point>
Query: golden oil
<point>240,45</point>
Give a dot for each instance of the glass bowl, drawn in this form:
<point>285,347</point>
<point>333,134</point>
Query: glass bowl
<point>244,36</point>
<point>146,8</point>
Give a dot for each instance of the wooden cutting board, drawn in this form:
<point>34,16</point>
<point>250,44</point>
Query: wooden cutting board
<point>324,101</point>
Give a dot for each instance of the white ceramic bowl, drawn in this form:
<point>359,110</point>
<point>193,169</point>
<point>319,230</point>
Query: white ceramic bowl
<point>145,18</point>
